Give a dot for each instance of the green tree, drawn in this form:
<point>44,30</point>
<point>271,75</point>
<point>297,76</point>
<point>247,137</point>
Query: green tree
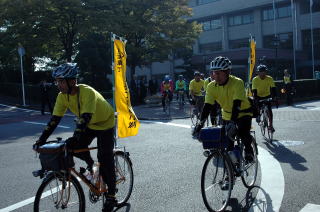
<point>94,59</point>
<point>154,29</point>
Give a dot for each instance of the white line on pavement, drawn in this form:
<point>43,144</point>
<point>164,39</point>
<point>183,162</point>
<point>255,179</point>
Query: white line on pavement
<point>271,190</point>
<point>310,208</point>
<point>165,123</point>
<point>272,180</point>
<point>31,122</point>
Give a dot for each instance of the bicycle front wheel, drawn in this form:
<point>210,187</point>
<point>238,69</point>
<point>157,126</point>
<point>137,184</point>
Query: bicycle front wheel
<point>216,182</point>
<point>124,177</point>
<point>59,193</point>
<point>249,170</point>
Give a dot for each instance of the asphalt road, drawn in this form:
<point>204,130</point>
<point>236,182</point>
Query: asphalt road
<point>167,163</point>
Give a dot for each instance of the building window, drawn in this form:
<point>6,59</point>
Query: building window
<point>239,43</point>
<point>241,19</point>
<point>210,47</point>
<point>199,2</point>
<point>305,6</point>
<point>285,41</point>
<point>281,12</point>
<point>211,24</point>
<point>306,42</point>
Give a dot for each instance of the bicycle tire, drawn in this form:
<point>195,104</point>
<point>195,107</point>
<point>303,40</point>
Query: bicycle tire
<point>54,182</point>
<point>268,128</point>
<point>262,125</point>
<point>193,116</point>
<point>249,171</point>
<point>220,166</point>
<point>124,177</point>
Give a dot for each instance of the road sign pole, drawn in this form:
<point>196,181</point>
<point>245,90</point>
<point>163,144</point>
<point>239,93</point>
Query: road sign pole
<point>21,52</point>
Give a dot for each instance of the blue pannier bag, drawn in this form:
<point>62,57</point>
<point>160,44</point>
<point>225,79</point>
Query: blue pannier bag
<point>213,138</point>
<point>52,157</point>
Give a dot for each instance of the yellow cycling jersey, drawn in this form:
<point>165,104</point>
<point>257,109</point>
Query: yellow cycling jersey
<point>196,87</point>
<point>225,94</point>
<point>286,79</point>
<point>166,86</point>
<point>206,83</point>
<point>263,86</point>
<point>90,102</point>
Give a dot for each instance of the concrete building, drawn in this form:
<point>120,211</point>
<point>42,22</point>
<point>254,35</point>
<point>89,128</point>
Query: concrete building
<point>282,41</point>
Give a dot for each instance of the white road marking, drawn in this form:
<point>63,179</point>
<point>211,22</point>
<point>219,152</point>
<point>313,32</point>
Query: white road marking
<point>38,123</point>
<point>310,208</point>
<point>167,123</point>
<point>270,195</point>
<point>272,182</point>
<point>316,108</point>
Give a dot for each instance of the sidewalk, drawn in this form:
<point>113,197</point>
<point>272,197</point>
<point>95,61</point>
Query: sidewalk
<point>143,112</point>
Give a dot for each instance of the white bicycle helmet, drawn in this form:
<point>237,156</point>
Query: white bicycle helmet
<point>220,63</point>
<point>66,71</point>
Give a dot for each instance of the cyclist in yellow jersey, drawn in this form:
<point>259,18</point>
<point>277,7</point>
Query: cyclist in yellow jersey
<point>95,120</point>
<point>180,86</point>
<point>166,90</point>
<point>215,107</point>
<point>196,89</point>
<point>288,87</point>
<point>263,87</point>
<point>229,92</point>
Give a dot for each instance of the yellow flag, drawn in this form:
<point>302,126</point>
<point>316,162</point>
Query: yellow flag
<point>252,57</point>
<point>128,124</point>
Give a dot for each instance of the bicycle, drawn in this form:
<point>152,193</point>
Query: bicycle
<point>180,98</point>
<point>61,188</point>
<point>219,172</point>
<point>167,103</point>
<point>195,111</point>
<point>264,119</point>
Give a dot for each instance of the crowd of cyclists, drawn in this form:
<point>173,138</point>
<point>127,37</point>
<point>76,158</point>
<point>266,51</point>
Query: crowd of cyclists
<point>221,93</point>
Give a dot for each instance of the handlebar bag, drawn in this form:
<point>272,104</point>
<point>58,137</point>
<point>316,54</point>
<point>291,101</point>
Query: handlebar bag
<point>53,158</point>
<point>213,138</point>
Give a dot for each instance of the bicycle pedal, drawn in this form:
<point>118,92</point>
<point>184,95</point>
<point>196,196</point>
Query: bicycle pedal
<point>82,170</point>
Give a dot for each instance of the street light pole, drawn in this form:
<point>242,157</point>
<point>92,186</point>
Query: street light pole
<point>276,44</point>
<point>21,52</point>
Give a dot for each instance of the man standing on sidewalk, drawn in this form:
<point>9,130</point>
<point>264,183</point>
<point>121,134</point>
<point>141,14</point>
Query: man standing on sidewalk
<point>45,98</point>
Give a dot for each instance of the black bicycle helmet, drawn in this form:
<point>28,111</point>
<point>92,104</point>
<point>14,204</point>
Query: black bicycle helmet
<point>66,71</point>
<point>262,68</point>
<point>220,63</point>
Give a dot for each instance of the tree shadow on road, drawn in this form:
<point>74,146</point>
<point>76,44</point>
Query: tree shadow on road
<point>285,155</point>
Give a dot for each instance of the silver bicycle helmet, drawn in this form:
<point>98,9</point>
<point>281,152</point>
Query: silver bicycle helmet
<point>220,63</point>
<point>66,71</point>
<point>262,68</point>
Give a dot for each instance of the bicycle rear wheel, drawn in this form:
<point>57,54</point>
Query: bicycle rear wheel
<point>124,177</point>
<point>193,116</point>
<point>57,193</point>
<point>249,171</point>
<point>216,182</point>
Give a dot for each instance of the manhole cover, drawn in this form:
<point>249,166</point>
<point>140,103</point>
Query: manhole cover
<point>288,143</point>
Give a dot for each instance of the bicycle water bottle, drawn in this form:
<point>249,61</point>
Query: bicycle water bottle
<point>97,178</point>
<point>233,157</point>
<point>236,151</point>
<point>95,175</point>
